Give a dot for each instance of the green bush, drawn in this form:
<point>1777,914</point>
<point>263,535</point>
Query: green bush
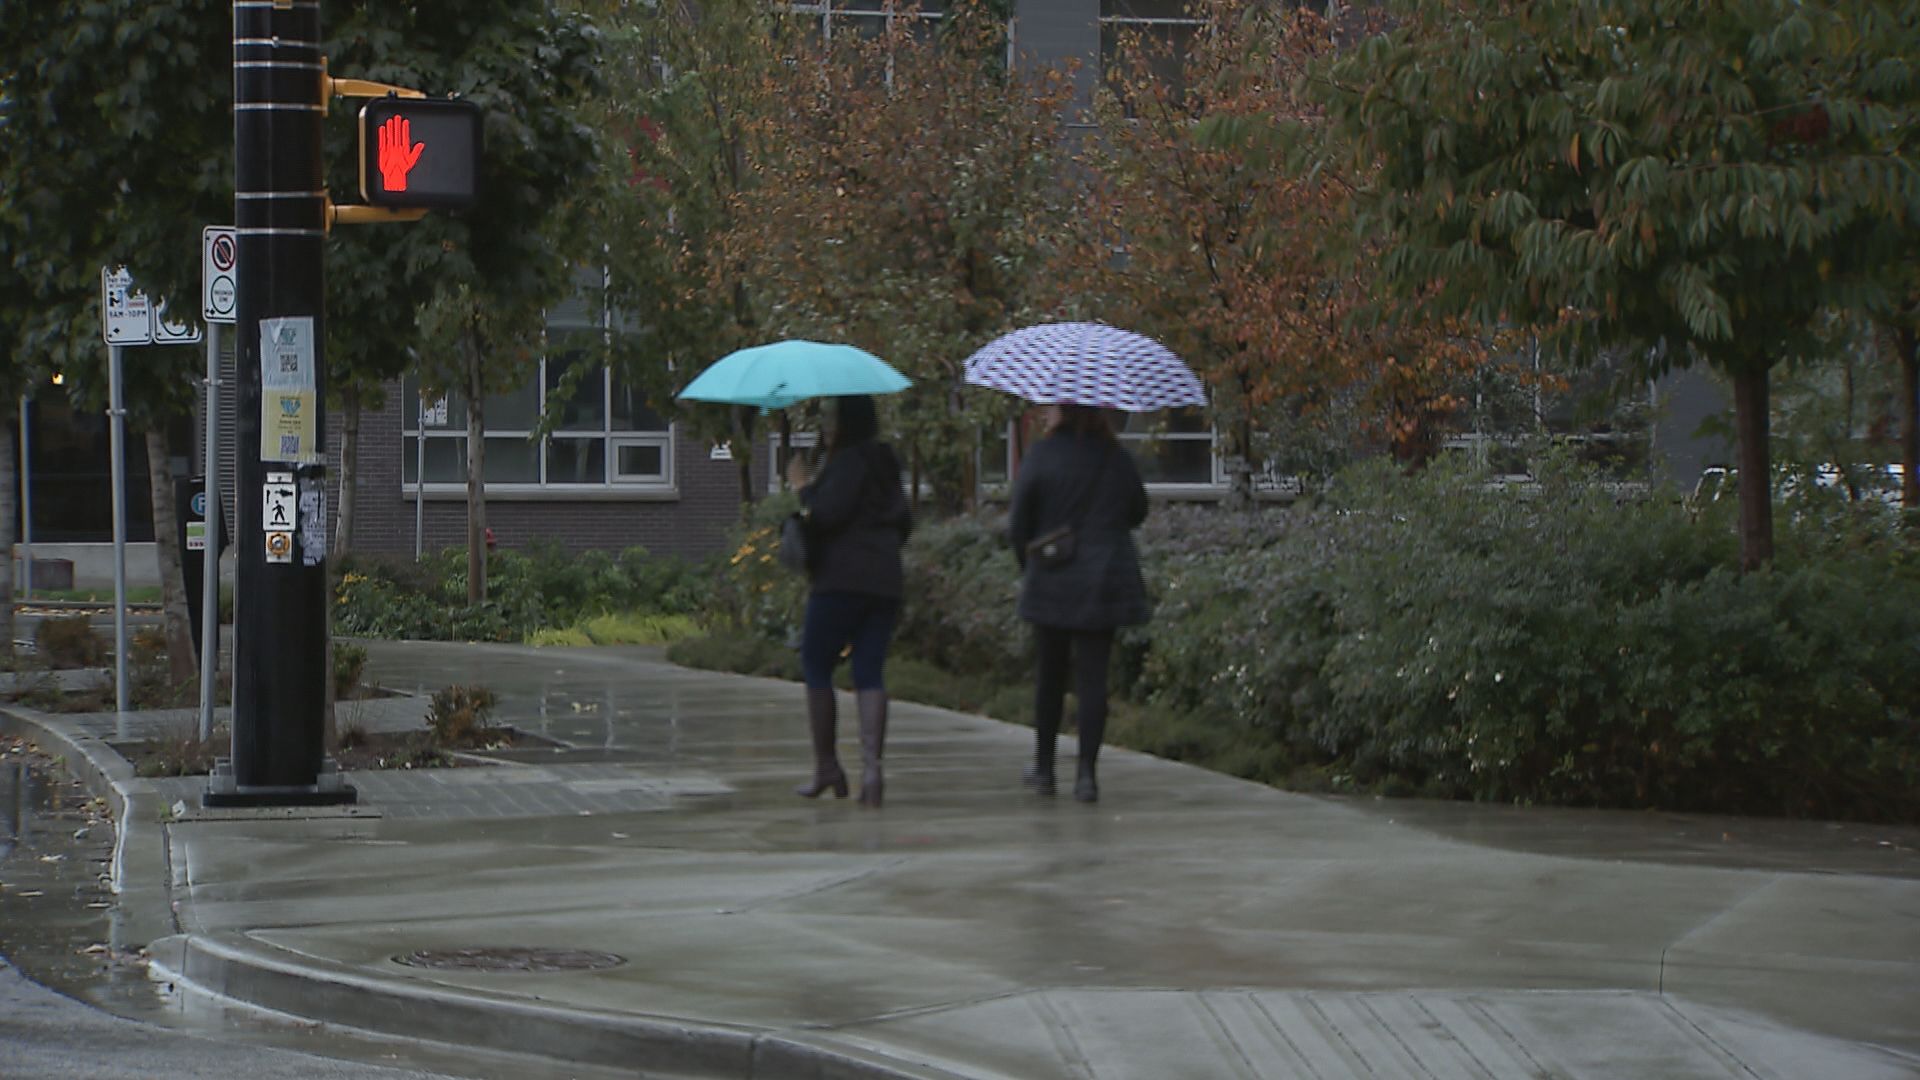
<point>540,588</point>
<point>962,586</point>
<point>737,651</point>
<point>1436,635</point>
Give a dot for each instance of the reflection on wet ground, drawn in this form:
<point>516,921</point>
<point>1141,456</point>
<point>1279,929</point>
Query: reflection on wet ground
<point>1655,836</point>
<point>59,927</point>
<point>57,915</point>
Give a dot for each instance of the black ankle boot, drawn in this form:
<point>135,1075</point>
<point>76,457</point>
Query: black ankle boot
<point>1085,787</point>
<point>1040,780</point>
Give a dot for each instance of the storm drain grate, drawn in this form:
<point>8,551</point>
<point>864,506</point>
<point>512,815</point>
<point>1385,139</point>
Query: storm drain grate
<point>495,959</point>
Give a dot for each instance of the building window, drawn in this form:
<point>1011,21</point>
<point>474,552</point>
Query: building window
<point>603,437</point>
<point>829,20</point>
<point>1175,448</point>
<point>1162,32</point>
<point>804,442</point>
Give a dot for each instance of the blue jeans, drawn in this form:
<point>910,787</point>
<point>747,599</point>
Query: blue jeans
<point>836,620</point>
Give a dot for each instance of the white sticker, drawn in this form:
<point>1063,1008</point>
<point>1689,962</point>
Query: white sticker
<point>276,506</point>
<point>313,524</point>
<point>286,353</point>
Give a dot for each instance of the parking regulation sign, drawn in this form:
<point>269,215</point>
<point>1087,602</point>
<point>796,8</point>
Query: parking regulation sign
<point>219,264</point>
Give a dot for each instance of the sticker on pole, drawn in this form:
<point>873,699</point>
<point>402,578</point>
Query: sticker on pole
<point>126,316</point>
<point>277,507</point>
<point>219,270</point>
<point>289,404</point>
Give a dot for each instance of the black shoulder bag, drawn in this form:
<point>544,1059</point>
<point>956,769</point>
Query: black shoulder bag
<point>1055,548</point>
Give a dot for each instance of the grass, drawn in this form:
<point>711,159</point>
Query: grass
<point>137,594</point>
<point>629,628</point>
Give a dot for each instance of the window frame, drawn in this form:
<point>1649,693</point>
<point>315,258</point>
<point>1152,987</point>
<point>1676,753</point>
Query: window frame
<point>611,483</point>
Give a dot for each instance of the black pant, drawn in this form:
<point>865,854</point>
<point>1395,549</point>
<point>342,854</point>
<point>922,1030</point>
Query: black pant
<point>1090,652</point>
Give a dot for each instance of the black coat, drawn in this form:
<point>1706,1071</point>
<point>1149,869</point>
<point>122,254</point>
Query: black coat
<point>1101,588</point>
<point>857,519</point>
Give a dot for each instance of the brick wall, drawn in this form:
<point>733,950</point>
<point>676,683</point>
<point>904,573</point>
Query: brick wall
<point>693,524</point>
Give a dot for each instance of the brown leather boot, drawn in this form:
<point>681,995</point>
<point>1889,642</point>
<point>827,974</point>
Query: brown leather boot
<point>873,741</point>
<point>826,764</point>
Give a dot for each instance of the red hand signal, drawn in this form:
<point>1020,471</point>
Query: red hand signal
<point>398,152</point>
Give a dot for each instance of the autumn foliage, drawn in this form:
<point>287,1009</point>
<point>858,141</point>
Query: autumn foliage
<point>1237,252</point>
<point>906,190</point>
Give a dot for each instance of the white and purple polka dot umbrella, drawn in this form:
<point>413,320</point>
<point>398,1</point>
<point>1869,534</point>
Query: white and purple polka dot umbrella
<point>1084,363</point>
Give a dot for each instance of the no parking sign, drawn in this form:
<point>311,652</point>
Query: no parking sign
<point>219,261</point>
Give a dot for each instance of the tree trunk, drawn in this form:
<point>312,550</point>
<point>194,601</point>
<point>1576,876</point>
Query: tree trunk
<point>1905,335</point>
<point>349,474</point>
<point>1750,424</point>
<point>9,485</point>
<point>182,665</point>
<point>476,478</point>
<point>778,462</point>
<point>742,447</point>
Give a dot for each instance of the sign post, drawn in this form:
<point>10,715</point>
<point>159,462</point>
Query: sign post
<point>281,215</point>
<point>126,318</point>
<point>219,261</point>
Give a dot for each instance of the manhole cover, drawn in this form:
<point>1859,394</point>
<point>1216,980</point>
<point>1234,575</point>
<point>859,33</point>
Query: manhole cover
<point>511,959</point>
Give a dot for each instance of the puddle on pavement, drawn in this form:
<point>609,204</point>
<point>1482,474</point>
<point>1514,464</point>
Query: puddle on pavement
<point>58,919</point>
<point>59,922</point>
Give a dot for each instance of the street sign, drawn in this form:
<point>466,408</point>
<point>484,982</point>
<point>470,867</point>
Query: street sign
<point>126,318</point>
<point>219,262</point>
<point>173,333</point>
<point>276,507</point>
<point>420,152</point>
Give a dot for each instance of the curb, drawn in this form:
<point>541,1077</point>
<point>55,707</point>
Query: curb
<point>141,874</point>
<point>233,968</point>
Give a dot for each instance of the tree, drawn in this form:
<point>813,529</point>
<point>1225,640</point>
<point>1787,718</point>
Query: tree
<point>460,296</point>
<point>112,164</point>
<point>1711,177</point>
<point>1202,231</point>
<point>685,82</point>
<point>906,197</point>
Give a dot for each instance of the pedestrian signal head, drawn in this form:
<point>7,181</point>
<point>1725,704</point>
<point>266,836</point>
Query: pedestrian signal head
<point>420,152</point>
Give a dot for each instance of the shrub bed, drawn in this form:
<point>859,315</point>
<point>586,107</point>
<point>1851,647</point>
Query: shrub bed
<point>1436,635</point>
<point>543,588</point>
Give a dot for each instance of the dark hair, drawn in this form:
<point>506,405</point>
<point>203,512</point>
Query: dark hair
<point>1084,421</point>
<point>855,421</point>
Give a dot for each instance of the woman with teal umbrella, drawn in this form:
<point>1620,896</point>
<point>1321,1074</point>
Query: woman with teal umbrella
<point>856,520</point>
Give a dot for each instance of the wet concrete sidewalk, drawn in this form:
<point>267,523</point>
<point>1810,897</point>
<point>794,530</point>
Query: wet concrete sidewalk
<point>654,898</point>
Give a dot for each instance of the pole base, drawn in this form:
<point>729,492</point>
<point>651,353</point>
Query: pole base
<point>330,789</point>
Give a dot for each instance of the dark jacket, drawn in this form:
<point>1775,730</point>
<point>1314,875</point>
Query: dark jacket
<point>856,521</point>
<point>1101,588</point>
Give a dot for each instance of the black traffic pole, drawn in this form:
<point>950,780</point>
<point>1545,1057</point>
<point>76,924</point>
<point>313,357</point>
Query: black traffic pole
<point>280,612</point>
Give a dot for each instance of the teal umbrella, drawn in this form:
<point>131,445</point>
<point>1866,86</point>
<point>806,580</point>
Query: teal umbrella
<point>778,375</point>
